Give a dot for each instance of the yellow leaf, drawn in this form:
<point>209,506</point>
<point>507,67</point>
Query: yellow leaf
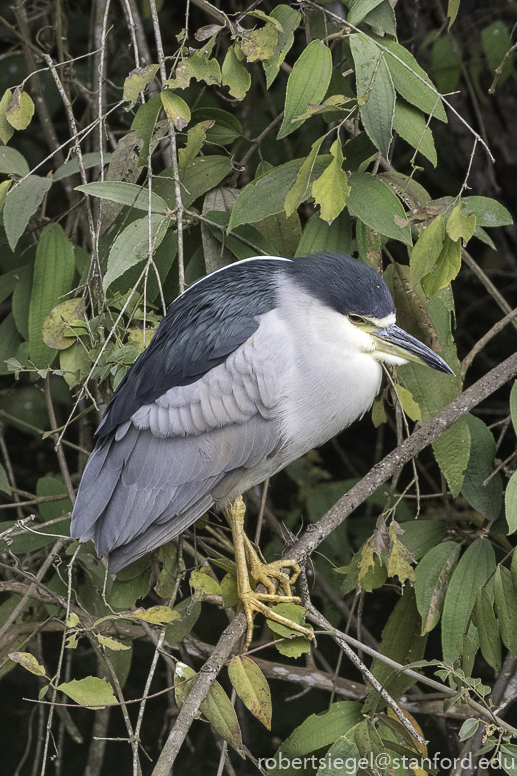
<point>331,189</point>
<point>400,557</point>
<point>252,688</point>
<point>156,614</point>
<point>176,109</point>
<point>20,110</point>
<point>409,405</point>
<point>28,661</point>
<point>113,644</point>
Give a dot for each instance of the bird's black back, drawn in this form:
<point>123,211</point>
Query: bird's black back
<point>200,330</point>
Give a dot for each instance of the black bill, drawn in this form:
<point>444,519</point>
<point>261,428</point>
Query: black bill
<point>397,342</point>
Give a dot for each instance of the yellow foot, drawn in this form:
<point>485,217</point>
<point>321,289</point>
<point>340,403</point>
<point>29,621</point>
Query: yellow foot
<point>264,572</point>
<point>253,602</point>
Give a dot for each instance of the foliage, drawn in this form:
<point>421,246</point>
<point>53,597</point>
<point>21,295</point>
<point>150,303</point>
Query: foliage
<point>156,147</point>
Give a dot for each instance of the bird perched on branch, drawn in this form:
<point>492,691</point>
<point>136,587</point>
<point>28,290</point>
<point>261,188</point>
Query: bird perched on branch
<point>252,367</point>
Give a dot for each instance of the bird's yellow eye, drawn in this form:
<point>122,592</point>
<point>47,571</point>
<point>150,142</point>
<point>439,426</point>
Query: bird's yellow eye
<point>353,318</point>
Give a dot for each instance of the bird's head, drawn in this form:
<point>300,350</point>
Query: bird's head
<point>361,297</point>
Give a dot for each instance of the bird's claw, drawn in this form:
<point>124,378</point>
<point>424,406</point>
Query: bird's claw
<point>254,602</point>
<point>263,573</point>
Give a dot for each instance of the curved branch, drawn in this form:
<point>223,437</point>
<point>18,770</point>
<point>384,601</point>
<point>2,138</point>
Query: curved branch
<point>391,464</point>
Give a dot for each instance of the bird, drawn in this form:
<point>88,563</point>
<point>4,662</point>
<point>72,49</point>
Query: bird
<point>251,367</point>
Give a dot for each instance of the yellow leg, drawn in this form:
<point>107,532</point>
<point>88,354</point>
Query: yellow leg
<point>245,556</point>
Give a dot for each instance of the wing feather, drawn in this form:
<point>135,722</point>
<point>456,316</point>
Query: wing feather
<point>156,474</point>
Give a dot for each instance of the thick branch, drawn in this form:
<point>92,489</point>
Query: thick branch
<point>393,462</point>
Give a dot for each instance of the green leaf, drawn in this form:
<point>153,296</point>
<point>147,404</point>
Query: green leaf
<point>132,244</point>
<point>376,205</point>
<point>510,500</point>
<point>4,481</point>
<point>452,450</point>
<point>299,190</point>
<point>255,242</point>
<point>20,109</point>
<point>52,486</point>
<point>235,75</point>
<point>289,18</point>
<point>307,83</point>
<point>75,363</point>
<point>136,82</point>
<point>401,641</point>
<point>198,66</point>
<point>189,611</point>
<point>229,590</point>
<point>320,237</point>
<point>410,123</point>
<point>6,130</point>
<point>367,740</point>
<point>484,619</point>
<point>426,250</point>
<point>452,11</point>
<point>432,577</point>
<point>496,41</point>
<point>508,758</point>
<point>13,163</point>
<point>375,90</point>
<point>461,226</point>
<point>410,81</point>
<point>283,234</point>
<point>143,126</point>
<point>382,18</point>
<point>72,167</point>
<point>195,139</point>
<point>266,195</point>
<point>252,688</point>
<point>9,341</point>
<point>202,175</point>
<point>513,405</point>
<point>176,108</point>
<point>343,751</point>
<point>295,645</point>
<point>204,583</point>
<point>471,573</point>
<point>126,194</point>
<point>168,554</point>
<point>22,297</point>
<point>408,403</point>
<point>447,266</point>
<point>487,499</point>
<point>470,726</point>
<point>218,710</point>
<point>420,536</point>
<point>318,731</point>
<point>22,202</point>
<point>488,212</point>
<point>360,9</point>
<point>53,275</point>
<point>446,59</point>
<point>92,692</point>
<point>331,189</point>
<point>506,607</point>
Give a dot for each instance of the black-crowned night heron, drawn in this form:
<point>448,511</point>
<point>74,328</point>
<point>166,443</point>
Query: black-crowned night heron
<point>252,367</point>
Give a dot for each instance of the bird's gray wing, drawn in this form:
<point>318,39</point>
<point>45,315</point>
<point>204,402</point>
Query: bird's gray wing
<point>158,472</point>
